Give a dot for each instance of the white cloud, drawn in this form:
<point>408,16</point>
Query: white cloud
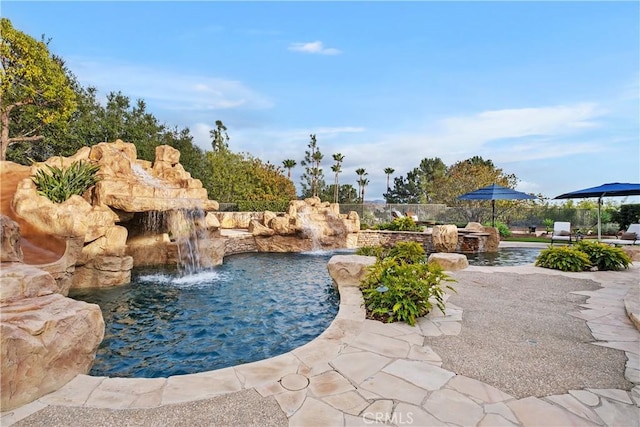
<point>316,47</point>
<point>504,136</point>
<point>169,89</point>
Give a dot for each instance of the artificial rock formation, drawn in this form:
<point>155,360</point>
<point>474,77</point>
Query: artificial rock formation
<point>10,250</point>
<point>349,270</point>
<point>307,225</point>
<point>46,339</point>
<point>445,238</point>
<point>449,261</point>
<point>111,217</point>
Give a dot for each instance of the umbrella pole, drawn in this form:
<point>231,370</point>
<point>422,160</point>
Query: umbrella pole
<point>599,227</point>
<point>493,213</point>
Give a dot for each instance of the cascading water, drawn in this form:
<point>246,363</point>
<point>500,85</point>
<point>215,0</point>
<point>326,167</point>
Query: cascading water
<point>311,230</point>
<point>189,233</point>
<point>186,227</point>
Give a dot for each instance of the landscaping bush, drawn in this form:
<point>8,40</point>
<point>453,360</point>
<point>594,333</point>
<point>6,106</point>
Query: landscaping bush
<point>57,184</point>
<point>627,215</point>
<point>407,253</point>
<point>402,287</point>
<point>404,223</point>
<point>564,258</point>
<point>503,229</point>
<point>263,205</point>
<point>603,256</point>
<point>376,251</point>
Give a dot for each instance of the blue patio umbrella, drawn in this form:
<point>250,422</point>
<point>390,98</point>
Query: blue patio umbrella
<point>613,189</point>
<point>495,192</point>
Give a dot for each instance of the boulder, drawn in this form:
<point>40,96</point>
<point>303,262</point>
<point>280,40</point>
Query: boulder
<point>267,216</point>
<point>46,341</point>
<point>475,227</point>
<point>66,219</point>
<point>167,154</point>
<point>103,271</point>
<point>282,225</point>
<point>10,250</point>
<point>449,261</point>
<point>349,270</point>
<point>257,229</point>
<point>20,281</point>
<point>445,238</point>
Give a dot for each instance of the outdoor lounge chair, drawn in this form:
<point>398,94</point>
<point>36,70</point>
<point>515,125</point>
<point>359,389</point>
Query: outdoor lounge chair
<point>630,237</point>
<point>561,232</point>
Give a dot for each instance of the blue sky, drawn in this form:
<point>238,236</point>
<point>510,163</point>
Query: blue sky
<point>547,90</point>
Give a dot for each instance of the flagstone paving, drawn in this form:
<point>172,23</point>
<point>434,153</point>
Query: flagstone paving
<point>361,372</point>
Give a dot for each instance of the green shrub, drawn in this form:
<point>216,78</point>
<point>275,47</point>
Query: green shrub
<point>57,184</point>
<point>565,258</point>
<point>403,223</point>
<point>503,229</point>
<point>402,287</point>
<point>626,215</point>
<point>263,205</point>
<point>603,256</point>
<point>407,253</point>
<point>376,251</point>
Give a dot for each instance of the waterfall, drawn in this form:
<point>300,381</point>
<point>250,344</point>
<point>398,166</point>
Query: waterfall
<point>186,229</point>
<point>311,230</point>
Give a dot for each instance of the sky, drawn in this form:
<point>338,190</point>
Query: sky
<point>549,91</point>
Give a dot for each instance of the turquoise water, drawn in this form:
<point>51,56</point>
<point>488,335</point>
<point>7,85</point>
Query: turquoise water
<point>253,307</point>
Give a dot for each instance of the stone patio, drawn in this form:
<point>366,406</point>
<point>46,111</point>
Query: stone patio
<point>361,372</point>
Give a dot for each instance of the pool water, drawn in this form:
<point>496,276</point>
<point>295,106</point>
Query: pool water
<point>505,257</point>
<point>253,307</point>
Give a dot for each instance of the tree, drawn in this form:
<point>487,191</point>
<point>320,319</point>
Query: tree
<point>219,137</point>
<point>240,176</point>
<point>419,184</point>
<point>362,182</point>
<point>336,168</point>
<point>388,172</point>
<point>288,165</point>
<point>312,179</point>
<point>34,85</point>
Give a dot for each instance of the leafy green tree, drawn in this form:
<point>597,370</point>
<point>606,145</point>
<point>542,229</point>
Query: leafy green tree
<point>34,90</point>
<point>288,165</point>
<point>219,137</point>
<point>336,168</point>
<point>240,177</point>
<point>312,180</point>
<point>419,184</point>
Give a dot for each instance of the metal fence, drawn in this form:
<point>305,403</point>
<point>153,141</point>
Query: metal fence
<point>377,213</point>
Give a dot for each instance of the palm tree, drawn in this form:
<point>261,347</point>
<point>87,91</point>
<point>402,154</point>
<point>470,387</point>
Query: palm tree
<point>361,172</point>
<point>388,171</point>
<point>288,165</point>
<point>364,182</point>
<point>338,157</point>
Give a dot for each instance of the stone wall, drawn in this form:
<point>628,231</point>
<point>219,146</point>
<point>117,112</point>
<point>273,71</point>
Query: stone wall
<point>475,242</point>
<point>238,244</point>
<point>390,238</point>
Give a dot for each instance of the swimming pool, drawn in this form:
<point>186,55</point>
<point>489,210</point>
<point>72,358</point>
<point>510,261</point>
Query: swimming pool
<point>254,306</point>
<point>509,256</point>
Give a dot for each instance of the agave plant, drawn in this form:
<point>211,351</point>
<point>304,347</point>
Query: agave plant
<point>58,184</point>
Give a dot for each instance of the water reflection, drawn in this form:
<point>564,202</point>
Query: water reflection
<point>253,307</point>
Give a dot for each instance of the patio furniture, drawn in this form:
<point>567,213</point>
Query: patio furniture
<point>561,232</point>
<point>629,237</point>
